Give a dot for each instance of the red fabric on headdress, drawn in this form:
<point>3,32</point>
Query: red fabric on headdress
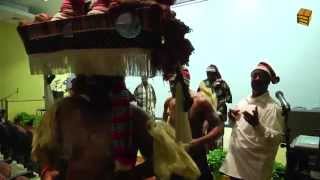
<point>101,5</point>
<point>185,73</point>
<point>172,76</point>
<point>77,6</point>
<point>267,68</point>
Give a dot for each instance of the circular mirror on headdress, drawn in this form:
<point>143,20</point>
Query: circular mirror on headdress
<point>128,25</point>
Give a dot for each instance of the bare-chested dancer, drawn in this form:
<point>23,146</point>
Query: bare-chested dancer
<point>201,114</point>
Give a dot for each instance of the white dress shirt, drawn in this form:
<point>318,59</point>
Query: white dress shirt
<point>252,150</point>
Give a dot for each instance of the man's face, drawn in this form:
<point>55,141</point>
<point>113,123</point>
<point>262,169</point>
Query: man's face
<point>260,80</point>
<point>173,84</point>
<point>144,80</point>
<point>212,76</point>
<point>172,88</point>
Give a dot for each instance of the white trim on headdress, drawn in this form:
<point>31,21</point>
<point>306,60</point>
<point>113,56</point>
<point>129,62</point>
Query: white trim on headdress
<point>267,68</point>
<point>211,69</point>
<point>264,68</point>
<point>116,61</point>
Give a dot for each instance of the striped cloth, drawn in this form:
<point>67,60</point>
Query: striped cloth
<point>74,6</point>
<point>146,98</point>
<point>123,149</point>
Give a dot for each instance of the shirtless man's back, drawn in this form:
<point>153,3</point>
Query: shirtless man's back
<point>200,114</point>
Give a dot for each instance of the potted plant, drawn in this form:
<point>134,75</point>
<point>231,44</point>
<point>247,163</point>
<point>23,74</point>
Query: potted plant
<point>278,171</point>
<point>24,119</point>
<point>217,156</point>
<point>215,159</point>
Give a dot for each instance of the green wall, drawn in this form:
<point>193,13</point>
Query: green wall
<point>14,74</point>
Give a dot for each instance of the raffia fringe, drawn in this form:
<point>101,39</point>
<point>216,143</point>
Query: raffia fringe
<point>124,62</point>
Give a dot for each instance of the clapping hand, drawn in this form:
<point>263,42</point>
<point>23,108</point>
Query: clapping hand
<point>234,115</point>
<point>252,119</point>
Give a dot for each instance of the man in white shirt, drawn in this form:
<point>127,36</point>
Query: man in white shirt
<point>257,131</point>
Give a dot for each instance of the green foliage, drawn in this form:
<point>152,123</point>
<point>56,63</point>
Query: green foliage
<point>215,159</point>
<point>217,156</point>
<point>28,119</point>
<point>278,171</point>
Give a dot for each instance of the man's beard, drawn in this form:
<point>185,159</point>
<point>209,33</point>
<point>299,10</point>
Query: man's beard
<point>259,86</point>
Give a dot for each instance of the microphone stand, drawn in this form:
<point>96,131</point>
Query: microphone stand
<point>289,169</point>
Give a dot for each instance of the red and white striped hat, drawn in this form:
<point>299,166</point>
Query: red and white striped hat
<point>267,68</point>
<point>185,75</point>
